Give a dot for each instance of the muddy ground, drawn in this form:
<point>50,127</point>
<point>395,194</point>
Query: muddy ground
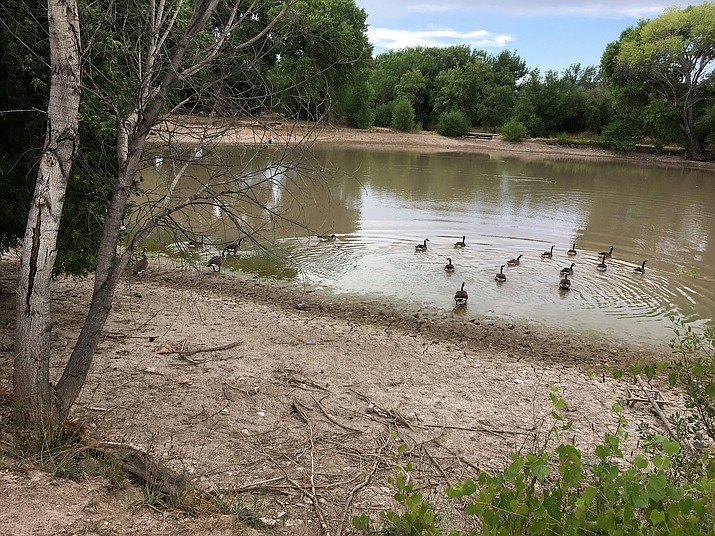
<point>297,401</point>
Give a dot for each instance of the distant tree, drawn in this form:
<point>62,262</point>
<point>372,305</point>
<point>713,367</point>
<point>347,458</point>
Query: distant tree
<point>674,54</point>
<point>453,124</point>
<point>513,130</point>
<point>403,116</point>
<point>325,49</point>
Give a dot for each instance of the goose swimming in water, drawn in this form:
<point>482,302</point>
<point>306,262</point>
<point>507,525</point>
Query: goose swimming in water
<point>548,254</point>
<point>461,244</point>
<point>514,262</point>
<point>640,269</point>
<point>460,297</point>
<point>572,251</point>
<point>449,267</point>
<point>423,246</point>
<point>607,254</point>
<point>601,266</point>
<point>569,269</point>
<point>326,238</point>
<point>565,283</point>
<point>500,276</point>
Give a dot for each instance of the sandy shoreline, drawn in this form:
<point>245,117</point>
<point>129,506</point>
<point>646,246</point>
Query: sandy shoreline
<point>292,397</point>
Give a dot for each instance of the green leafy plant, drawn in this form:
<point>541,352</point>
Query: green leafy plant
<point>514,130</point>
<point>453,124</point>
<point>403,116</point>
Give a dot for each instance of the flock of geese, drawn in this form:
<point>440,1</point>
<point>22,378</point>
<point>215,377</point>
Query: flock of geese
<point>214,262</point>
<point>461,296</point>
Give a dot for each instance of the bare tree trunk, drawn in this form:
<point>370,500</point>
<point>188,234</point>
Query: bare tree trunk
<point>31,378</point>
<point>696,146</point>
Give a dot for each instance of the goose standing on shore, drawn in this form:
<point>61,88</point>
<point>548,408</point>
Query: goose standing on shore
<point>449,267</point>
<point>461,244</point>
<point>422,246</point>
<point>548,254</point>
<point>514,262</point>
<point>460,297</point>
<point>142,264</point>
<point>501,277</point>
<point>216,261</point>
<point>233,247</point>
<point>640,269</point>
<point>571,252</point>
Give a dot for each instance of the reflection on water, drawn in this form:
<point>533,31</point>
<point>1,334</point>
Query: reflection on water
<point>381,204</point>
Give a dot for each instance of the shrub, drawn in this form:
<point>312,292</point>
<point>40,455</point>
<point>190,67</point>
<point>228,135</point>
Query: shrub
<point>382,116</point>
<point>403,116</point>
<point>619,136</point>
<point>453,124</point>
<point>513,130</point>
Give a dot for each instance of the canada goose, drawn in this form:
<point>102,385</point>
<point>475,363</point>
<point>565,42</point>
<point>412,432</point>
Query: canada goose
<point>572,251</point>
<point>500,276</point>
<point>601,266</point>
<point>326,238</point>
<point>460,244</point>
<point>514,262</point>
<point>423,246</point>
<point>548,254</point>
<point>196,245</point>
<point>142,264</point>
<point>216,261</point>
<point>565,284</point>
<point>569,269</point>
<point>607,254</point>
<point>460,297</point>
<point>640,269</point>
<point>449,267</point>
<point>233,247</point>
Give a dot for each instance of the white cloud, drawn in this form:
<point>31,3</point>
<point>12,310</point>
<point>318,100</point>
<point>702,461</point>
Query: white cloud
<point>397,39</point>
<point>635,9</point>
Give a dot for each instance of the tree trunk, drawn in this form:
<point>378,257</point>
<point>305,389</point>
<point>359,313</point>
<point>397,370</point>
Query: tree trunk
<point>31,380</point>
<point>696,147</point>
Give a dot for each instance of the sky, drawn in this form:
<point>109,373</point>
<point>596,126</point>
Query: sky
<point>548,35</point>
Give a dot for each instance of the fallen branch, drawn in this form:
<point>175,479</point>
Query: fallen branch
<point>660,414</point>
<point>185,353</point>
<point>331,419</point>
<point>499,433</point>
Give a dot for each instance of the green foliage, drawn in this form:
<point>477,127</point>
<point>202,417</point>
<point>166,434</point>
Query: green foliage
<point>552,490</point>
<point>670,57</point>
<point>620,136</point>
<point>382,116</point>
<point>355,103</point>
<point>513,130</point>
<point>453,124</point>
<point>403,116</point>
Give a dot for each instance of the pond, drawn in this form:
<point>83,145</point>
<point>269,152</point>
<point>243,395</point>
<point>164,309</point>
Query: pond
<point>380,204</point>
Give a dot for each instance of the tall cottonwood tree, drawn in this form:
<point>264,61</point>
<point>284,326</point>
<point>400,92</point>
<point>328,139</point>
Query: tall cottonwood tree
<point>31,372</point>
<point>674,55</point>
<point>177,42</point>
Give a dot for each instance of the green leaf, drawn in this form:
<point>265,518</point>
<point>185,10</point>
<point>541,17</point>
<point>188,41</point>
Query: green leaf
<point>656,516</point>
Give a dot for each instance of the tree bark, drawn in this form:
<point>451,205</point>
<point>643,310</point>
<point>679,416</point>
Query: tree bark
<point>688,117</point>
<point>31,379</point>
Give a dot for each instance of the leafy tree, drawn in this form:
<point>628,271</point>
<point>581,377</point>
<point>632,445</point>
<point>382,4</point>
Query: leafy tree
<point>324,50</point>
<point>403,116</point>
<point>452,124</point>
<point>674,53</point>
<point>513,130</point>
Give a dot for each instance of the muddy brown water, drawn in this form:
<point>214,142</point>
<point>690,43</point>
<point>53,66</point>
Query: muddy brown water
<point>380,204</point>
